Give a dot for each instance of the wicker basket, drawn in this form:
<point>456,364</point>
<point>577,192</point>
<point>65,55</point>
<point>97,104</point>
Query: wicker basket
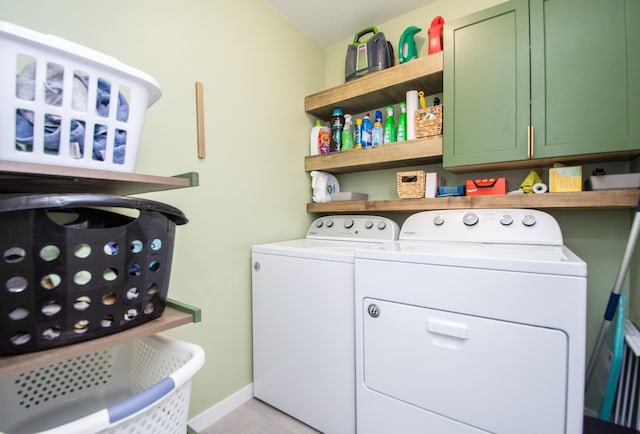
<point>411,184</point>
<point>428,121</point>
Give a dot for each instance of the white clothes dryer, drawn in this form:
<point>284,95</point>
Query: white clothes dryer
<point>473,322</point>
<point>303,320</point>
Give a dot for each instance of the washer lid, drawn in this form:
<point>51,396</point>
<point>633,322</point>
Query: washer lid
<point>314,249</point>
<point>504,257</point>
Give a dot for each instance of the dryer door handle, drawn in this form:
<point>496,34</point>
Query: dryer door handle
<point>448,328</point>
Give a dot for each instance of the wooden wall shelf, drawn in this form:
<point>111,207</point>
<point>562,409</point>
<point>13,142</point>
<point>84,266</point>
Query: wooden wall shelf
<point>42,178</point>
<point>413,152</point>
<point>605,199</point>
<point>379,89</point>
<point>11,366</point>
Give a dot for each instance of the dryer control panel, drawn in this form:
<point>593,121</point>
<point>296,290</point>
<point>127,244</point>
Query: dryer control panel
<point>503,226</point>
<point>353,228</point>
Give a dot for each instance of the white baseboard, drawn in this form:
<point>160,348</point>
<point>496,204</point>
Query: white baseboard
<point>221,409</point>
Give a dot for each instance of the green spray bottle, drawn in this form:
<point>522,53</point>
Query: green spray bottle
<point>347,134</point>
<point>389,126</point>
<point>402,123</point>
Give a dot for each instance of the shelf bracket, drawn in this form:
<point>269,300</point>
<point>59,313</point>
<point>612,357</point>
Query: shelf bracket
<point>195,312</point>
<point>193,177</point>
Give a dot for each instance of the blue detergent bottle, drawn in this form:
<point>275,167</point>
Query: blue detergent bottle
<point>377,132</point>
<point>366,131</point>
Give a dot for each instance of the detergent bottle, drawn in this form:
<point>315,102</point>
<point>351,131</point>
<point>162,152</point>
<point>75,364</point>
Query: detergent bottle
<point>357,134</point>
<point>367,131</point>
<point>402,123</point>
<point>389,126</point>
<point>377,135</point>
<point>337,125</point>
<point>347,134</point>
<point>320,139</point>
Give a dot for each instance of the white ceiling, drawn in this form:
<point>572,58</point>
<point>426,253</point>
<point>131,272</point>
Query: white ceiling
<point>331,21</point>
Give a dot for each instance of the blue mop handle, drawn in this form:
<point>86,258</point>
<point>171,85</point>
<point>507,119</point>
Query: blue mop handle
<point>615,294</point>
<point>624,266</point>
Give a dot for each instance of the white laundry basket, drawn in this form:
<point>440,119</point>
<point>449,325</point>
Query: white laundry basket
<point>67,105</point>
<point>140,387</point>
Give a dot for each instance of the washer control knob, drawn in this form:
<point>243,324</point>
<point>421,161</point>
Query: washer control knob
<point>329,223</point>
<point>382,225</point>
<point>529,220</point>
<point>373,310</point>
<point>438,220</point>
<point>319,223</point>
<point>470,219</point>
<point>348,223</point>
<point>506,220</point>
<point>368,224</point>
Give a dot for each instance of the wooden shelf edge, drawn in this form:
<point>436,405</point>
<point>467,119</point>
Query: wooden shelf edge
<point>11,366</point>
<point>602,199</point>
<point>42,178</point>
<point>547,162</point>
<point>403,76</point>
<point>413,152</point>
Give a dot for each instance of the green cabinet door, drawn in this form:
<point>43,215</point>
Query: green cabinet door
<point>585,76</point>
<point>486,86</point>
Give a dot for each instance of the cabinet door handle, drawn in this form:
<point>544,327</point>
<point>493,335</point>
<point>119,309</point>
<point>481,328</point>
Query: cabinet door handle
<point>530,142</point>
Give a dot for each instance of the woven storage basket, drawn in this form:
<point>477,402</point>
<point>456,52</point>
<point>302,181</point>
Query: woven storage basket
<point>411,184</point>
<point>429,121</point>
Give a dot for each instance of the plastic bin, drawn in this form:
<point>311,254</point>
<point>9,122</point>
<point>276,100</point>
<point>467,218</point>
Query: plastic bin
<point>67,105</point>
<point>72,270</point>
<point>140,387</point>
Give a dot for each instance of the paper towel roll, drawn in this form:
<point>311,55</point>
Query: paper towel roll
<point>540,188</point>
<point>412,106</point>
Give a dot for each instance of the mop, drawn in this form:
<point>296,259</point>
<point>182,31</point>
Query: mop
<point>614,296</point>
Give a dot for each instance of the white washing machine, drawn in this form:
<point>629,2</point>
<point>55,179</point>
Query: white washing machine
<point>473,322</point>
<point>303,320</point>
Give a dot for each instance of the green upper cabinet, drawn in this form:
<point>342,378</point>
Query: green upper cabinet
<point>486,86</point>
<point>542,79</point>
<point>585,76</point>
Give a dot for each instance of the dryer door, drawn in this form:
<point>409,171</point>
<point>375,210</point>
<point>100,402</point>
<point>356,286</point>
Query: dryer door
<point>494,375</point>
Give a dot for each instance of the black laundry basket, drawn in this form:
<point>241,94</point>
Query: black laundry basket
<point>76,267</point>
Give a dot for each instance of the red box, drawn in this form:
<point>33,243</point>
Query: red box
<point>486,186</point>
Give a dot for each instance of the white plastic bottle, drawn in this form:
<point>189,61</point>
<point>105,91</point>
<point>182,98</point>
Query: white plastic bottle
<point>320,139</point>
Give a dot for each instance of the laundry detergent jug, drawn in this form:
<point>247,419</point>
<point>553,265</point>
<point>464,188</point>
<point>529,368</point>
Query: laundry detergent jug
<point>368,55</point>
<point>324,186</point>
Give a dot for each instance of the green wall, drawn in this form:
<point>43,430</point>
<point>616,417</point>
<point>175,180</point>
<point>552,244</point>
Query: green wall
<point>256,69</point>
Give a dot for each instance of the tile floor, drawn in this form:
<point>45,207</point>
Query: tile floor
<point>256,417</point>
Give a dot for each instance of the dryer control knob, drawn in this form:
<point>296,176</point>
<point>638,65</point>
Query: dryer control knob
<point>506,220</point>
<point>348,223</point>
<point>329,223</point>
<point>438,220</point>
<point>319,224</point>
<point>368,224</point>
<point>382,226</point>
<point>470,219</point>
<point>529,220</point>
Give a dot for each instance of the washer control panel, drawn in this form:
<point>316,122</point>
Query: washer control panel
<point>505,226</point>
<point>354,227</point>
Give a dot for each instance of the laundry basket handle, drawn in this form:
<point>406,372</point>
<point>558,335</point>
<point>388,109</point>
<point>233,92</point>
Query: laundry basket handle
<point>49,201</point>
